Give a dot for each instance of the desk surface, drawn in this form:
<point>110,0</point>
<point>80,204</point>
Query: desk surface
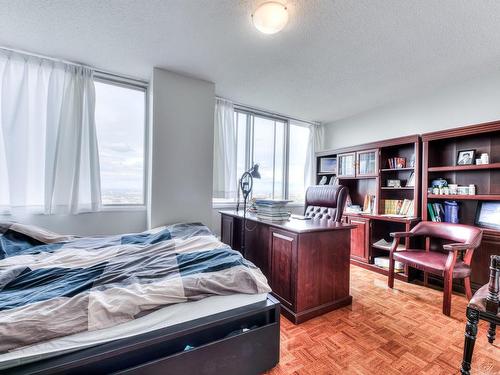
<point>293,225</point>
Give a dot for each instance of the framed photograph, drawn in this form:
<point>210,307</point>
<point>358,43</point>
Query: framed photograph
<point>328,165</point>
<point>394,183</point>
<point>466,157</point>
<point>488,215</point>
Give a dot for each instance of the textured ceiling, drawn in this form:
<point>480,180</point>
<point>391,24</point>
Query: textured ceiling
<point>335,58</point>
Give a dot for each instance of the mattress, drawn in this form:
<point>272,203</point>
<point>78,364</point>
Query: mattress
<point>165,317</point>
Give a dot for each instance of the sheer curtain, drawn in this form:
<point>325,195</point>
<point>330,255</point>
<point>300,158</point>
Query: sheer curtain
<point>48,147</point>
<point>225,179</point>
<point>316,139</point>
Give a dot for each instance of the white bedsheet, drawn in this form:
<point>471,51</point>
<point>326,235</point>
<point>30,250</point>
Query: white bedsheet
<point>165,317</point>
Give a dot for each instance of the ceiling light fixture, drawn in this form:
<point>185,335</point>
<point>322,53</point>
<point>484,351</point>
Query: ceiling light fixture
<point>270,17</point>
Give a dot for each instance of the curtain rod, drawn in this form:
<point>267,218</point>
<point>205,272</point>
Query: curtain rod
<point>96,70</point>
<point>265,111</point>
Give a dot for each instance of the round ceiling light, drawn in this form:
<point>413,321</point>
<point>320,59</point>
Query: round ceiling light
<point>270,17</point>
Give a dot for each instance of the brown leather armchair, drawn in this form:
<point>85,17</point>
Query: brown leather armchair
<point>326,202</point>
<point>484,305</point>
<point>447,263</point>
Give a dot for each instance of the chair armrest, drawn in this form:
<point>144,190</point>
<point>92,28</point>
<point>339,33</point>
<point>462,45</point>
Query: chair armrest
<point>401,234</point>
<point>458,246</point>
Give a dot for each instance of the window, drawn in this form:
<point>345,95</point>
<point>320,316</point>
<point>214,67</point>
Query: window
<point>279,148</point>
<point>120,121</point>
<point>269,152</point>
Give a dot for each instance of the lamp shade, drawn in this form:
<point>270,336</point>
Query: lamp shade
<point>255,171</point>
<point>270,17</point>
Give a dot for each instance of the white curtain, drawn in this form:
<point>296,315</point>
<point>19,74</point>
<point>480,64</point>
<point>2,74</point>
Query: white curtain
<point>225,179</point>
<point>316,139</point>
<point>48,147</point>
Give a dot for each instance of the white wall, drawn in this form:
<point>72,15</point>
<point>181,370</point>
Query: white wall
<point>465,103</point>
<point>95,223</point>
<point>182,149</point>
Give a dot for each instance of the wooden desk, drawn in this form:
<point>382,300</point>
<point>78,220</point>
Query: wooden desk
<point>306,263</point>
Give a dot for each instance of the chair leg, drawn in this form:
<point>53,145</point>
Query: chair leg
<point>448,284</point>
<point>470,340</point>
<point>468,290</point>
<point>390,280</point>
<point>492,333</point>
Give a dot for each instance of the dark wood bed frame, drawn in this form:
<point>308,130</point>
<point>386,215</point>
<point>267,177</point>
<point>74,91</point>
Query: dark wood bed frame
<point>219,347</point>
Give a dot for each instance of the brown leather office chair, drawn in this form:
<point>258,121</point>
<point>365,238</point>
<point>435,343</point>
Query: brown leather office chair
<point>446,263</point>
<point>326,202</point>
<point>483,305</point>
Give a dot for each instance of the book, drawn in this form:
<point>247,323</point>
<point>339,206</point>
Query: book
<point>383,262</point>
<point>397,163</point>
<point>438,211</point>
<point>411,180</point>
<point>300,217</point>
<point>399,207</point>
<point>369,203</point>
<point>431,211</point>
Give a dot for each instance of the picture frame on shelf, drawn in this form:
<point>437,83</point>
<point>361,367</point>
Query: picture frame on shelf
<point>488,215</point>
<point>394,183</point>
<point>466,157</point>
<point>328,165</point>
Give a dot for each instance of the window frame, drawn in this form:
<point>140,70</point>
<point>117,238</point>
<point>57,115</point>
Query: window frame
<point>143,86</point>
<point>249,145</point>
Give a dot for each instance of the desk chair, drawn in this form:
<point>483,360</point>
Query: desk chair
<point>326,202</point>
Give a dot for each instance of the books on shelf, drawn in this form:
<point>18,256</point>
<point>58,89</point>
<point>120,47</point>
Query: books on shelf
<point>411,180</point>
<point>383,262</point>
<point>272,210</point>
<point>404,207</point>
<point>369,204</point>
<point>436,211</point>
<point>397,163</point>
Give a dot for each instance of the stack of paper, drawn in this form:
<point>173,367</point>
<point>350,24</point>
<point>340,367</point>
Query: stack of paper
<point>271,209</point>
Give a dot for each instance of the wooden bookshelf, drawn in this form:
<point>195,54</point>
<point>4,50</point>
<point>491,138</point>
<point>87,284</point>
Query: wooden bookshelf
<point>439,153</point>
<point>364,169</point>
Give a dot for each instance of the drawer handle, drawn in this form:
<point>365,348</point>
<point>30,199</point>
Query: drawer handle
<point>283,237</point>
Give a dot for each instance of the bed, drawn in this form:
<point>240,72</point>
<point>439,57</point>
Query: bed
<point>170,300</point>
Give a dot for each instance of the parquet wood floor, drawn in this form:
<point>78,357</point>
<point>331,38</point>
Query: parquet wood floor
<point>384,331</point>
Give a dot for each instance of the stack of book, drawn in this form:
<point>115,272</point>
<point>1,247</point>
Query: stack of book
<point>383,262</point>
<point>411,180</point>
<point>436,211</point>
<point>272,210</point>
<point>396,163</point>
<point>399,207</point>
<point>369,204</point>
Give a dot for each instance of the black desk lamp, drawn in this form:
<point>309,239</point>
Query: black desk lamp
<point>246,185</point>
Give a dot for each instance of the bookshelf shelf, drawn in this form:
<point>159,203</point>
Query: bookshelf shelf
<point>358,178</point>
<point>394,219</point>
<point>477,197</point>
<point>403,276</point>
<point>410,188</point>
<point>397,169</point>
<point>456,168</point>
<point>326,173</point>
